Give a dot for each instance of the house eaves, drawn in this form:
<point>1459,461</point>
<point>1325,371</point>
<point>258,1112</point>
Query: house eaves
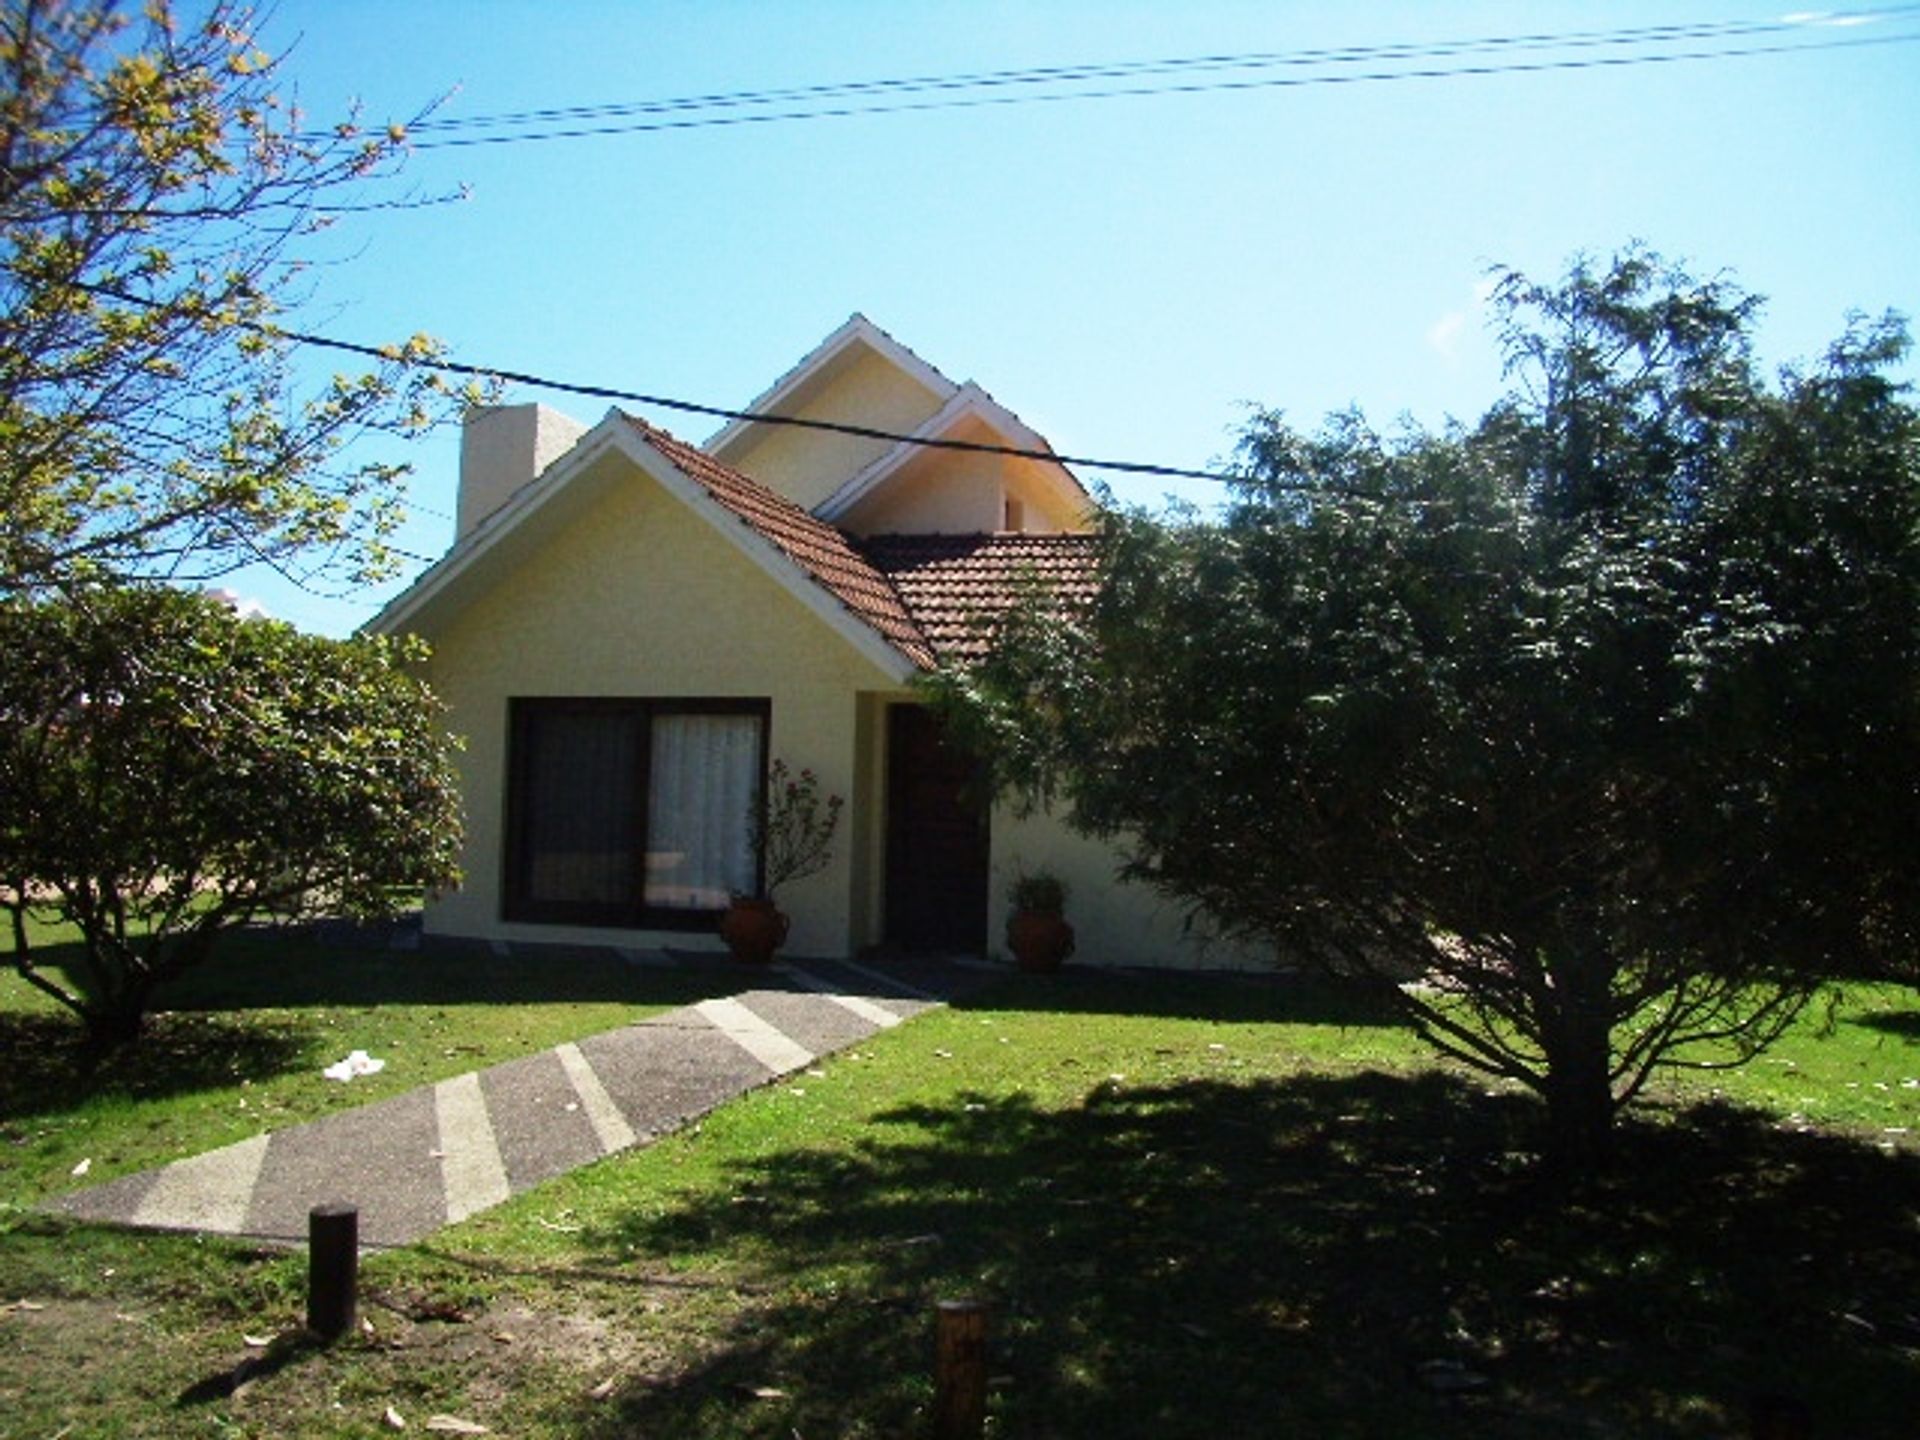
<point>810,559</point>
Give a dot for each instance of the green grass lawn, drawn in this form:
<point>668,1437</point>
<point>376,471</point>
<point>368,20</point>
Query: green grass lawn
<point>1199,1208</point>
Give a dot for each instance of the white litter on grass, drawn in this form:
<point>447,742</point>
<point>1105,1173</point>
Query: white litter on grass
<point>358,1063</point>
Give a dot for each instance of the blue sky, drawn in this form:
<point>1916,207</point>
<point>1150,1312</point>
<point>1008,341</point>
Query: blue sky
<point>1126,274</point>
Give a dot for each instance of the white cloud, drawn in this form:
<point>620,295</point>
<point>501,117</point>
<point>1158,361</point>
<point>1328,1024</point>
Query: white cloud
<point>1443,336</point>
<point>1446,335</point>
<point>245,606</point>
<point>1826,17</point>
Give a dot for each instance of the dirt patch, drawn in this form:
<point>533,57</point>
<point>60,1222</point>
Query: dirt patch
<point>514,1335</point>
<point>57,1326</point>
<point>83,1342</point>
<point>504,1354</point>
<point>73,1360</point>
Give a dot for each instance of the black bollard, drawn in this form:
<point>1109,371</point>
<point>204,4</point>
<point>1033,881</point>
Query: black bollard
<point>333,1269</point>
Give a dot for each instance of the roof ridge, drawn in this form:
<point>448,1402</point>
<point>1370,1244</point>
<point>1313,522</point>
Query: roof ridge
<point>1001,539</point>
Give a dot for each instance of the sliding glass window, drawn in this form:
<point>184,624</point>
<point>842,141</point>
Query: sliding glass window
<point>631,812</point>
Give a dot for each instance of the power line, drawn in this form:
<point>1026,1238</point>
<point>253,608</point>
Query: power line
<point>390,355</point>
<point>880,96</point>
<point>719,412</point>
<point>1067,74</point>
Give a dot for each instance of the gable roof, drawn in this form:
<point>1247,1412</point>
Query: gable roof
<point>957,404</point>
<point>857,333</point>
<point>909,602</point>
<point>820,550</point>
<point>968,402</point>
<point>957,586</point>
<point>807,557</point>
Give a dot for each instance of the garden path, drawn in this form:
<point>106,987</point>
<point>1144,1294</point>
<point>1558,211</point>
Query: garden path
<point>433,1156</point>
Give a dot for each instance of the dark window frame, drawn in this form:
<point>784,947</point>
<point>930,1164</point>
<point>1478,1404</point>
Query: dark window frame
<point>515,857</point>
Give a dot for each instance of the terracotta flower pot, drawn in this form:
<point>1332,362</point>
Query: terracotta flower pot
<point>1040,939</point>
<point>753,929</point>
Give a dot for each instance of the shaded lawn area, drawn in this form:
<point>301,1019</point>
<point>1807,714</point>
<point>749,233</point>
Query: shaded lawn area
<point>238,1044</point>
<point>1313,1255</point>
<point>1200,1208</point>
<point>1271,1215</point>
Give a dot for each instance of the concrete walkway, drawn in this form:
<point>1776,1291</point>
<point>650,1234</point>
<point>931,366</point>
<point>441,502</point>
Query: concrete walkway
<point>436,1155</point>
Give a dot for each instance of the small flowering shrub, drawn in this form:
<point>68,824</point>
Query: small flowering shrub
<point>793,826</point>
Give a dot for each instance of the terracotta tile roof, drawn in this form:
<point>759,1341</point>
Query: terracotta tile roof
<point>823,552</point>
<point>957,585</point>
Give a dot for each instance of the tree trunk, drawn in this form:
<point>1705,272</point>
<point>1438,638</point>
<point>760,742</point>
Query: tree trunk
<point>1579,1088</point>
<point>1579,1120</point>
<point>117,1017</point>
<point>111,1028</point>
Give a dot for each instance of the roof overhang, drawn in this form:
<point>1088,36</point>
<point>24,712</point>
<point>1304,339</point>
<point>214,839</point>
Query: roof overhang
<point>605,456</point>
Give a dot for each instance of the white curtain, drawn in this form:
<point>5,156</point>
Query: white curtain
<point>705,773</point>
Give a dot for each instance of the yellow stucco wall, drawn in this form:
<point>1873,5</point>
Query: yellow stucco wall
<point>1114,923</point>
<point>937,492</point>
<point>809,465</point>
<point>637,596</point>
<point>957,493</point>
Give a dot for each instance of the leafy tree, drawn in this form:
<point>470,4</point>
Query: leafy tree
<point>1600,719</point>
<point>156,197</point>
<point>169,770</point>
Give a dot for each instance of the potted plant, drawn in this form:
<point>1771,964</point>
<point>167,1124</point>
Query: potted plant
<point>791,826</point>
<point>1037,931</point>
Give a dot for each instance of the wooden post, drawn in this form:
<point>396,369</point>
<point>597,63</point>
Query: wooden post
<point>333,1269</point>
<point>960,1370</point>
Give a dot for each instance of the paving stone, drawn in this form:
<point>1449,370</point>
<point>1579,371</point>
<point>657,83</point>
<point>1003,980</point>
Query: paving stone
<point>665,1071</point>
<point>811,1020</point>
<point>905,987</point>
<point>113,1202</point>
<point>538,1119</point>
<point>206,1192</point>
<point>383,1158</point>
<point>773,1048</point>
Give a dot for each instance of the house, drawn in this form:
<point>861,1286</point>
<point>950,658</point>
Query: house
<point>629,627</point>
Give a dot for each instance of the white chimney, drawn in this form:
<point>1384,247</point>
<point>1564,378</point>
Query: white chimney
<point>502,449</point>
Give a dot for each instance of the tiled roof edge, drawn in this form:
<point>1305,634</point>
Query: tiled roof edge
<point>823,553</point>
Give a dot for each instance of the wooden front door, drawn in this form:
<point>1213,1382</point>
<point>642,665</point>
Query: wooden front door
<point>936,840</point>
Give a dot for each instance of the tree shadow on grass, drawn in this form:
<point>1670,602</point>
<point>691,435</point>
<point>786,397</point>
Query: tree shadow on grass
<point>1904,1023</point>
<point>265,967</point>
<point>49,1059</point>
<point>1254,997</point>
<point>1318,1256</point>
